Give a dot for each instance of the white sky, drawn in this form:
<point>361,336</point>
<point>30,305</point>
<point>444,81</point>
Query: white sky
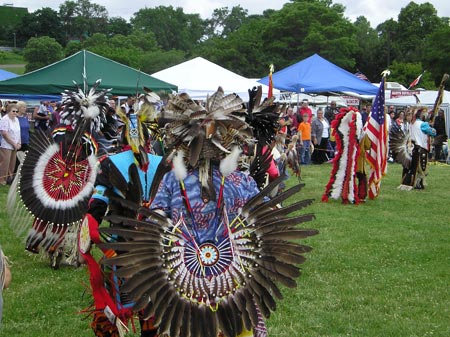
<point>376,11</point>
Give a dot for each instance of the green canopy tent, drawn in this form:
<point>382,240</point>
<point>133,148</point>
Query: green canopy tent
<point>55,78</point>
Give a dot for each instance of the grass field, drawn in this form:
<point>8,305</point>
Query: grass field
<point>18,69</point>
<point>12,62</point>
<point>379,269</point>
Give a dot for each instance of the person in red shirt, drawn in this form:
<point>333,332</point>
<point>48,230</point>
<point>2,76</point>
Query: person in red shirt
<point>305,109</point>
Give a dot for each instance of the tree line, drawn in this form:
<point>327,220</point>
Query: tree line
<point>157,38</point>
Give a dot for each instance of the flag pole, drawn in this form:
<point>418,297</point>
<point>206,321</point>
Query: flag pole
<point>270,93</point>
<point>438,102</point>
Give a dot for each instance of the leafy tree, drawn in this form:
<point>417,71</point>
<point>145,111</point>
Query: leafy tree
<point>246,42</point>
<point>305,27</point>
<point>145,41</point>
<point>405,73</point>
<point>366,57</point>
<point>81,18</point>
<point>388,47</point>
<point>42,51</point>
<point>117,48</point>
<point>42,22</point>
<point>173,29</point>
<point>129,50</point>
<point>160,59</point>
<point>72,47</point>
<point>436,51</point>
<point>415,23</point>
<point>225,21</point>
<point>118,25</point>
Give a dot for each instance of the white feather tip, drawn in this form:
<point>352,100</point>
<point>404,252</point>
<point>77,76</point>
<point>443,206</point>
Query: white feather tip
<point>230,162</point>
<point>179,167</point>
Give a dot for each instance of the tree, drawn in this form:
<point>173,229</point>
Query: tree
<point>415,23</point>
<point>160,59</point>
<point>246,42</point>
<point>436,51</point>
<point>42,22</point>
<point>129,50</point>
<point>305,27</point>
<point>405,73</point>
<point>81,19</point>
<point>225,21</point>
<point>367,59</point>
<point>173,29</point>
<point>72,47</point>
<point>118,25</point>
<point>388,47</point>
<point>42,51</point>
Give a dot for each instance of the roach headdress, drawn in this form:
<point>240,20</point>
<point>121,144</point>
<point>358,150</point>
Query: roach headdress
<point>206,134</point>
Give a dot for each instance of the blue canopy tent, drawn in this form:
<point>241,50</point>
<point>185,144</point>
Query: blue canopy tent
<point>317,75</point>
<point>20,97</point>
<point>6,75</point>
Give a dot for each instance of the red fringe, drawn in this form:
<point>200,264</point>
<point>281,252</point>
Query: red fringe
<point>349,181</point>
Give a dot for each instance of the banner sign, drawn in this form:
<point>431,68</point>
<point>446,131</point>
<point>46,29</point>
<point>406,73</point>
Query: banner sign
<point>401,93</point>
<point>350,100</point>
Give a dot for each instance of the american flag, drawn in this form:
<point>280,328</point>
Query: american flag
<point>377,133</point>
<point>361,76</point>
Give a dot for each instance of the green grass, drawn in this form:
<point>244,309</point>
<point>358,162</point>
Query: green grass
<point>11,58</point>
<point>381,268</point>
<point>16,69</point>
<point>12,62</point>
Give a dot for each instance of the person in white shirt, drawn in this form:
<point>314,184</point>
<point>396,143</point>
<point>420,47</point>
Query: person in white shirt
<point>320,132</point>
<point>420,132</point>
<point>10,143</point>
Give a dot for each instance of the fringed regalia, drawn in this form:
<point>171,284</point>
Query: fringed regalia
<point>420,132</point>
<point>2,280</point>
<point>207,256</point>
<point>124,179</point>
<point>347,128</point>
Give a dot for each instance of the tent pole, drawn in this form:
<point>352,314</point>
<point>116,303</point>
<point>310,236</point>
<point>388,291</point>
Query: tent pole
<point>84,71</point>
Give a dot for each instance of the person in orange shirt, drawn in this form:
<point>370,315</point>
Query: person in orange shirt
<point>304,132</point>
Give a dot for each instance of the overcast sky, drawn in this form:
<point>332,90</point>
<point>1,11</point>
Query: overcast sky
<point>376,11</point>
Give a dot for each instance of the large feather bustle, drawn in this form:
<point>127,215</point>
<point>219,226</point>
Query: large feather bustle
<point>399,144</point>
<point>154,256</point>
<point>38,187</point>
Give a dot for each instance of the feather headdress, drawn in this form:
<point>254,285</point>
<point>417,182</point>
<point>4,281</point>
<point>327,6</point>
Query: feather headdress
<point>206,133</point>
<point>85,111</point>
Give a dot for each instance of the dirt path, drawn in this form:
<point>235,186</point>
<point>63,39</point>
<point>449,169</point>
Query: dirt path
<point>12,65</point>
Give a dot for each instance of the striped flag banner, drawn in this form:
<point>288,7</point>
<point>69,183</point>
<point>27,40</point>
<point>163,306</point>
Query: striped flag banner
<point>376,131</point>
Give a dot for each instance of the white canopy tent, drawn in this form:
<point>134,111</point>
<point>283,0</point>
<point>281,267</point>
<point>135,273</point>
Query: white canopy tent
<point>199,77</point>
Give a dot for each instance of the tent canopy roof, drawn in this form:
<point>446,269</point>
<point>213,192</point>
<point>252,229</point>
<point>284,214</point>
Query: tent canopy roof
<point>6,75</point>
<point>317,75</point>
<point>57,77</point>
<point>199,77</point>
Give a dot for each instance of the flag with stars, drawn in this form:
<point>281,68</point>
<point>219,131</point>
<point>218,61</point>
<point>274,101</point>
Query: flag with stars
<point>376,130</point>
